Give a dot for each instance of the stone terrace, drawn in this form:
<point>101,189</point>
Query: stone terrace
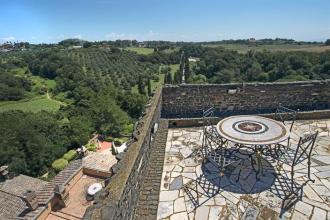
<point>245,199</point>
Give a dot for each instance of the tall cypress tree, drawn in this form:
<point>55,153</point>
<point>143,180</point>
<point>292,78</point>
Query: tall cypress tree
<point>141,86</point>
<point>149,87</point>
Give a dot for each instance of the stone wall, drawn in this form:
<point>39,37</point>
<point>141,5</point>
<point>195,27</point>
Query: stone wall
<point>149,194</point>
<point>187,101</point>
<point>197,122</point>
<point>120,198</point>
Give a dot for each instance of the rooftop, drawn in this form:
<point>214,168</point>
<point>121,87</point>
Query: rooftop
<point>78,203</point>
<point>218,197</point>
<point>102,161</point>
<point>20,184</point>
<point>11,193</point>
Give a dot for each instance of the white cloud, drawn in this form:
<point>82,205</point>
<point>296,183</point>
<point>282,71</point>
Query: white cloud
<point>57,37</point>
<point>78,36</point>
<point>10,38</point>
<point>121,36</point>
<point>114,36</point>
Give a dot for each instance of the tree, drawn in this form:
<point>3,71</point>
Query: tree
<point>223,76</point>
<point>168,78</point>
<point>198,79</point>
<point>149,88</point>
<point>187,70</point>
<point>253,72</point>
<point>327,42</point>
<point>87,44</point>
<point>80,130</point>
<point>141,86</point>
<point>177,77</point>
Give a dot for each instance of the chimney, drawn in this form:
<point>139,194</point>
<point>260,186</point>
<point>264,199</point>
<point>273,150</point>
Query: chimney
<point>3,172</point>
<point>30,198</point>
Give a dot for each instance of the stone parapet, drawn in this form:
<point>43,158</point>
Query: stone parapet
<point>188,101</point>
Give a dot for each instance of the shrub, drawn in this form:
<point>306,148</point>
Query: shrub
<point>91,147</point>
<point>59,164</point>
<point>70,155</point>
<point>128,129</point>
<point>108,139</point>
<point>120,141</point>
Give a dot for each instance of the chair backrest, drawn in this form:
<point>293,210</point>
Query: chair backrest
<point>304,148</point>
<point>208,114</point>
<point>211,138</point>
<point>284,115</point>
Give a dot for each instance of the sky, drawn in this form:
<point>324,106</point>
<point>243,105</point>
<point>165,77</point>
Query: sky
<point>50,21</point>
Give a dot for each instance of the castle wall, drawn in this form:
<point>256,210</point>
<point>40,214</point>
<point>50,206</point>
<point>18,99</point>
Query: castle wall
<point>188,101</point>
<point>119,200</point>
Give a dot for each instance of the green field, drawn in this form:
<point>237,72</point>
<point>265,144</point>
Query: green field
<point>243,48</point>
<point>32,105</point>
<point>37,81</point>
<point>174,68</point>
<point>141,50</point>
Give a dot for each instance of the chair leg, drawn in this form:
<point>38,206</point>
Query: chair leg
<point>239,172</point>
<point>309,170</point>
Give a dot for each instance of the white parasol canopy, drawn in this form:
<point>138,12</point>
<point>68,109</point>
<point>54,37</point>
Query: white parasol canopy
<point>94,188</point>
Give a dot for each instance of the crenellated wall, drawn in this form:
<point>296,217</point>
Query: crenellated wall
<point>187,101</point>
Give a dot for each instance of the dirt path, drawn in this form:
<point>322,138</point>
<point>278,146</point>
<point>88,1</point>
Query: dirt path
<point>50,98</point>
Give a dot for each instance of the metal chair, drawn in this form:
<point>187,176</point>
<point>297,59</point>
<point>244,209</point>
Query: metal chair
<point>286,116</point>
<point>215,147</point>
<point>294,156</point>
<point>210,128</point>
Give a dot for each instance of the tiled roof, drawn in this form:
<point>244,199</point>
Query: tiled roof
<point>11,206</point>
<point>11,191</point>
<point>100,161</point>
<point>21,183</point>
<point>60,179</point>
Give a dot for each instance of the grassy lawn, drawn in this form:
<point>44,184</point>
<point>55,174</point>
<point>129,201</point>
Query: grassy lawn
<point>32,105</point>
<point>40,82</point>
<point>171,50</point>
<point>174,68</point>
<point>242,48</point>
<point>155,84</point>
<point>141,50</point>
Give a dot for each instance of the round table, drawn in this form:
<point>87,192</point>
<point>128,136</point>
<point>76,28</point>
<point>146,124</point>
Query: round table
<point>255,133</point>
<point>252,130</point>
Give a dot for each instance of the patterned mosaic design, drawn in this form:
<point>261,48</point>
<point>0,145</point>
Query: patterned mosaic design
<point>250,127</point>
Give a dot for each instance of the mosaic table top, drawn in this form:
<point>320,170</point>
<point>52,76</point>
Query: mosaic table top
<point>252,130</point>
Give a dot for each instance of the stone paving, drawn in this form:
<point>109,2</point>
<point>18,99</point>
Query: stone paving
<point>213,196</point>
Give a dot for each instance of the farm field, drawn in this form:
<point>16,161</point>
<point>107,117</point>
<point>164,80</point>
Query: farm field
<point>36,104</point>
<point>121,68</point>
<point>243,48</point>
<point>141,50</point>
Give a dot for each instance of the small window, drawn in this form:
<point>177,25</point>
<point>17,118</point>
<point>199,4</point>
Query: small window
<point>232,91</point>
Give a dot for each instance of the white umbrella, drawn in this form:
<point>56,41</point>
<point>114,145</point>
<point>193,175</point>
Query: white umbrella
<point>94,188</point>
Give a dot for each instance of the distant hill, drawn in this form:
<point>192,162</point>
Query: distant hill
<point>72,42</point>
